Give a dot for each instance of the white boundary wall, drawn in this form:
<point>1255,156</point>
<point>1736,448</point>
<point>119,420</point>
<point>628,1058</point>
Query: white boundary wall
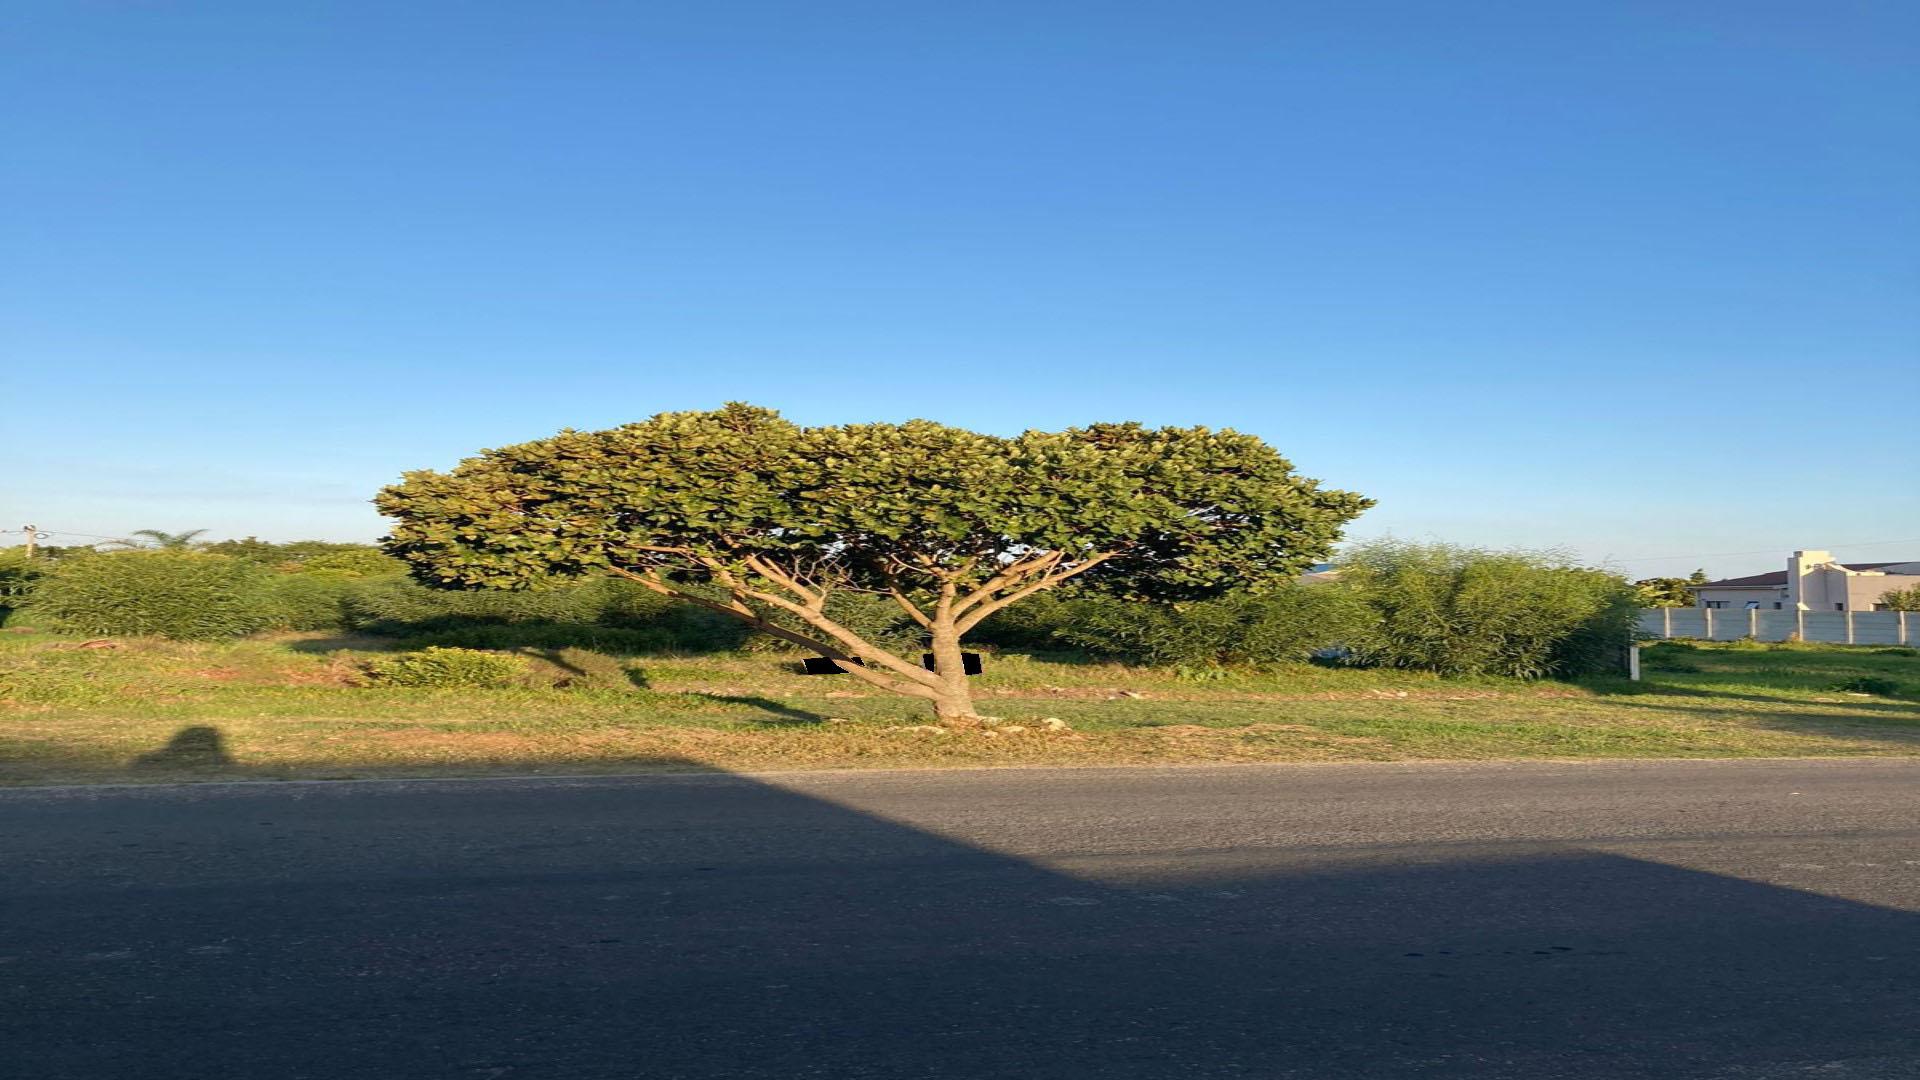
<point>1831,627</point>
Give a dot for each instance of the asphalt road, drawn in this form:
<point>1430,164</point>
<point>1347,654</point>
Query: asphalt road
<point>1751,920</point>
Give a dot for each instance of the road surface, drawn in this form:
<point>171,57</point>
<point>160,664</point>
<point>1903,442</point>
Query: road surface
<point>1751,920</point>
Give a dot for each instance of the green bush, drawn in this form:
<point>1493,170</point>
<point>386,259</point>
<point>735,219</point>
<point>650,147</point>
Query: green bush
<point>613,640</point>
<point>1663,657</point>
<point>448,668</point>
<point>1467,611</point>
<point>17,577</point>
<point>876,618</point>
<point>596,614</point>
<point>1907,599</point>
<point>353,562</point>
<point>1869,684</point>
<point>309,601</point>
<point>175,594</point>
<point>1286,624</point>
<point>1030,624</point>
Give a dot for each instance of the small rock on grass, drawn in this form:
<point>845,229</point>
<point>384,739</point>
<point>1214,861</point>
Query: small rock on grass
<point>1054,723</point>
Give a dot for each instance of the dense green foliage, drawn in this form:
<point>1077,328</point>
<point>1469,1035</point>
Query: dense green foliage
<point>742,512</point>
<point>1175,512</point>
<point>444,668</point>
<point>1900,599</point>
<point>1668,591</point>
<point>164,593</point>
<point>588,613</point>
<point>1438,608</point>
<point>306,554</point>
<point>1288,624</point>
<point>1466,611</point>
<point>17,577</point>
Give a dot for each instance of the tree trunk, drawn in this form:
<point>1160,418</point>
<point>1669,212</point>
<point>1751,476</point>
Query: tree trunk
<point>954,706</point>
<point>956,712</point>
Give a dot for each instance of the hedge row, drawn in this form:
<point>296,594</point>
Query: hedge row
<point>1457,611</point>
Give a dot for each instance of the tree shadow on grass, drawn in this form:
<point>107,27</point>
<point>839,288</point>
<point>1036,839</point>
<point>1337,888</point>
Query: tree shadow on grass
<point>198,748</point>
<point>720,927</point>
<point>1872,703</point>
<point>766,705</point>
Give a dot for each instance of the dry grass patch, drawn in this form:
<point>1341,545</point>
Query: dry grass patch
<point>295,707</point>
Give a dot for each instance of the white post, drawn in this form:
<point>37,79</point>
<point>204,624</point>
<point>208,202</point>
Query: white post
<point>1849,626</point>
<point>1666,622</point>
<point>1753,622</point>
<point>1902,623</point>
<point>1800,624</point>
<point>1707,613</point>
<point>1633,662</point>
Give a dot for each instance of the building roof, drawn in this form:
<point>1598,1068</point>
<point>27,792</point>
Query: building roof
<point>1778,578</point>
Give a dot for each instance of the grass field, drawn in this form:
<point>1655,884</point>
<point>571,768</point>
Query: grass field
<point>295,707</point>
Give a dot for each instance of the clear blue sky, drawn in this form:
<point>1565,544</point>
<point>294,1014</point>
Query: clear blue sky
<point>1633,279</point>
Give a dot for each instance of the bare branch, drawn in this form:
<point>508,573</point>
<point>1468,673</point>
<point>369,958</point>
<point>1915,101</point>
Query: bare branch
<point>972,620</point>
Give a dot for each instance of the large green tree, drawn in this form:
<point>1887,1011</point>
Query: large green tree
<point>743,512</point>
<point>1669,591</point>
<point>1907,599</point>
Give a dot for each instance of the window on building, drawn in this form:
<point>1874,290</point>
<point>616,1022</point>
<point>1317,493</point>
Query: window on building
<point>1714,603</point>
<point>1776,605</point>
<point>1879,607</point>
<point>1839,607</point>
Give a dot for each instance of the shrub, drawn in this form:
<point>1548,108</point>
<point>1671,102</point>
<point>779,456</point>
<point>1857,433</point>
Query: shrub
<point>176,594</point>
<point>309,601</point>
<point>1466,611</point>
<point>614,640</point>
<point>353,562</point>
<point>1286,624</point>
<point>1869,684</point>
<point>1031,624</point>
<point>1897,650</point>
<point>1907,599</point>
<point>1659,659</point>
<point>878,619</point>
<point>448,668</point>
<point>17,577</point>
<point>572,614</point>
<point>286,554</point>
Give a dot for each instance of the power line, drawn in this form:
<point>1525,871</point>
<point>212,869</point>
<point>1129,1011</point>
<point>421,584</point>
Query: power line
<point>89,536</point>
<point>1761,551</point>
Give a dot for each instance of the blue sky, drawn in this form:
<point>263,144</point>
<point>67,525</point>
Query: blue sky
<point>1637,280</point>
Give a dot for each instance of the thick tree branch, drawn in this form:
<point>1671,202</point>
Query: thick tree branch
<point>1015,571</point>
<point>741,611</point>
<point>912,609</point>
<point>973,619</point>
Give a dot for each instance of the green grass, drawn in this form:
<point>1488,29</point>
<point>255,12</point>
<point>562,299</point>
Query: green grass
<point>296,706</point>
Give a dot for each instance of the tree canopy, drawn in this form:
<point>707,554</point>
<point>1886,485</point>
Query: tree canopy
<point>1669,591</point>
<point>745,512</point>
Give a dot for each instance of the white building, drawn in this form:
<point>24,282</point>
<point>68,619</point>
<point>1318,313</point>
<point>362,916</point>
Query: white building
<point>1812,581</point>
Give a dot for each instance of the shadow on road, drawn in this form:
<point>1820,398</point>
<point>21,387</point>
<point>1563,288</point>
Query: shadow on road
<point>717,926</point>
